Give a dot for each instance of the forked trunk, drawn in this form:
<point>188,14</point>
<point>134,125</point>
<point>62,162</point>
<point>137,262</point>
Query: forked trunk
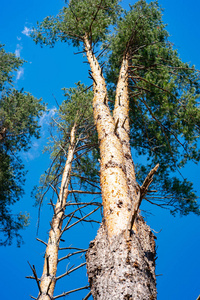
<point>121,259</point>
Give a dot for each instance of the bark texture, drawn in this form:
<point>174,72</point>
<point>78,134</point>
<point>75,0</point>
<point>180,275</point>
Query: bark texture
<point>48,279</point>
<point>122,270</point>
<point>115,193</point>
<point>121,259</point>
<point>121,117</point>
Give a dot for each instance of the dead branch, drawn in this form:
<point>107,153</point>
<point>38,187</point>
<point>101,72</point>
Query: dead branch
<point>79,208</point>
<point>81,219</point>
<point>70,271</point>
<point>64,229</point>
<point>55,190</point>
<point>84,192</point>
<point>36,277</point>
<point>71,248</point>
<point>72,291</point>
<point>53,206</point>
<point>141,192</point>
<point>71,254</point>
<point>89,294</point>
<point>148,180</point>
<point>83,203</point>
<point>39,240</point>
<point>88,221</point>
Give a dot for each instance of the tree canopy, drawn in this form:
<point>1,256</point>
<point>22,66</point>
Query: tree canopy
<point>164,91</point>
<point>19,115</point>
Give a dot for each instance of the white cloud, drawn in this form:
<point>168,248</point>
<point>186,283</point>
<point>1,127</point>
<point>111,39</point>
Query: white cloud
<point>46,118</point>
<point>20,73</point>
<point>18,50</point>
<point>27,31</point>
<point>38,145</point>
<point>33,152</point>
<point>19,38</point>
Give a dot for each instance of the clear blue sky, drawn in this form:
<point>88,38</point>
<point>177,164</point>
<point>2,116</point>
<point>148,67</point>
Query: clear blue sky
<point>45,73</point>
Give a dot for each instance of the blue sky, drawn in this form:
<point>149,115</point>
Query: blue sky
<point>45,72</point>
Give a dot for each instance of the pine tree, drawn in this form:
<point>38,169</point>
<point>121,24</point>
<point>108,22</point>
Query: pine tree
<point>73,171</point>
<point>155,112</point>
<point>19,114</point>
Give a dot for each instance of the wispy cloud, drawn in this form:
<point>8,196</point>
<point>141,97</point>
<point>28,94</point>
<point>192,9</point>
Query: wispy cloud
<point>34,152</point>
<point>20,73</point>
<point>19,38</point>
<point>18,50</point>
<point>47,116</point>
<point>27,31</point>
<point>38,145</point>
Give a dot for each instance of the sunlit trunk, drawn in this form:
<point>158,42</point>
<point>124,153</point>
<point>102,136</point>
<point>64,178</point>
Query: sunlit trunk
<point>115,195</point>
<point>121,259</point>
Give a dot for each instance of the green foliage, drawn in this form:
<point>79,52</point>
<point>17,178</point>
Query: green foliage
<point>164,91</point>
<point>79,18</point>
<point>8,64</point>
<point>164,112</point>
<point>19,113</point>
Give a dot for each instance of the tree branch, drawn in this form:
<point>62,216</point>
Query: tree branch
<point>72,291</point>
<point>70,271</point>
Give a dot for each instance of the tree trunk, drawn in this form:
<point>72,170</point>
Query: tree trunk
<point>121,259</point>
<point>48,279</point>
<point>121,269</point>
<point>115,195</point>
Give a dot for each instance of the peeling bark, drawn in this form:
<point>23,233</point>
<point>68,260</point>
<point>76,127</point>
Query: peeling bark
<point>121,114</point>
<point>48,279</point>
<point>119,269</point>
<point>115,196</point>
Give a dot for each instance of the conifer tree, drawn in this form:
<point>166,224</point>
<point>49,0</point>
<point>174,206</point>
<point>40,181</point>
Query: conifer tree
<point>73,171</point>
<point>155,112</point>
<point>19,115</point>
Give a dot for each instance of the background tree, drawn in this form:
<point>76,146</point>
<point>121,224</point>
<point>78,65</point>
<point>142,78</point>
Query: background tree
<point>19,113</point>
<point>163,91</point>
<point>73,171</point>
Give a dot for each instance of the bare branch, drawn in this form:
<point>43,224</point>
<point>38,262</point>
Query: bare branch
<point>148,180</point>
<point>72,291</point>
<point>41,241</point>
<point>81,219</point>
<point>70,271</point>
<point>36,278</point>
<point>71,248</point>
<point>87,296</point>
<point>71,254</point>
<point>84,192</point>
<point>88,221</point>
<point>83,203</point>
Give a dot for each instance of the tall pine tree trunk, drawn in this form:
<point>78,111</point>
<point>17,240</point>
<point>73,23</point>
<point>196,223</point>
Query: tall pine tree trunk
<point>121,259</point>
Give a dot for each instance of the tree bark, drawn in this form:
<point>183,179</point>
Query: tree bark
<point>120,269</point>
<point>115,195</point>
<point>48,279</point>
<point>121,260</point>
